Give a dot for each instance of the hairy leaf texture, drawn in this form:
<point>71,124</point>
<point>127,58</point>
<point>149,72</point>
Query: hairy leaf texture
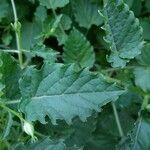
<point>62,93</point>
<point>78,50</point>
<point>123,33</point>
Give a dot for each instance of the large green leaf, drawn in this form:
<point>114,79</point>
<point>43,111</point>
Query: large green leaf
<point>54,3</point>
<point>142,73</point>
<point>138,139</point>
<point>62,93</point>
<point>78,50</point>
<point>123,33</point>
<point>86,13</point>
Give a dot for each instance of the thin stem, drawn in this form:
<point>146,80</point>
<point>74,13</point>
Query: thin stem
<point>117,120</point>
<point>17,32</point>
<point>12,102</point>
<point>11,111</point>
<point>13,51</point>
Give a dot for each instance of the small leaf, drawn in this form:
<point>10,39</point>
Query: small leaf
<point>47,54</point>
<point>40,14</point>
<point>57,89</point>
<point>86,13</point>
<point>78,50</point>
<point>123,33</point>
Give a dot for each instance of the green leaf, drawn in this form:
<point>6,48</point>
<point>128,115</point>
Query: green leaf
<point>48,54</point>
<point>11,73</point>
<point>78,50</point>
<point>86,13</point>
<point>138,139</point>
<point>7,38</point>
<point>40,14</point>
<point>53,3</point>
<point>65,22</point>
<point>123,33</point>
<point>57,89</point>
<point>142,73</point>
<point>30,33</point>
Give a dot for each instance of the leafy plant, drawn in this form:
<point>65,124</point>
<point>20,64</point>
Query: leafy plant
<point>74,74</point>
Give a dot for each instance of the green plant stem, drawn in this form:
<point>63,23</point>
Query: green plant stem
<point>12,102</point>
<point>17,32</point>
<point>11,111</point>
<point>117,120</point>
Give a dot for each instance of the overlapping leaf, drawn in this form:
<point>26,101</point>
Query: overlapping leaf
<point>61,93</point>
<point>123,33</point>
<point>78,50</point>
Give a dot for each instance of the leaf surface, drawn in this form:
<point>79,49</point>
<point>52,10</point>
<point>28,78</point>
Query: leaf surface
<point>62,93</point>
